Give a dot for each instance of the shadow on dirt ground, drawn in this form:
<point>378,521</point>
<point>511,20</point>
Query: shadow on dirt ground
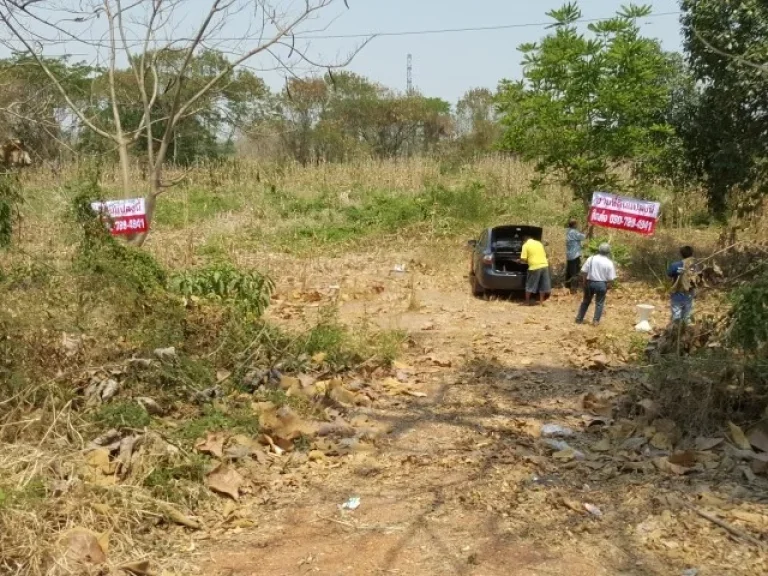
<point>464,483</point>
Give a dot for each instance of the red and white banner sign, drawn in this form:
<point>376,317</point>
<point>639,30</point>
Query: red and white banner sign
<point>611,211</point>
<point>128,216</point>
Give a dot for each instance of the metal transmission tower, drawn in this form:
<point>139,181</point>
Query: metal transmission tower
<point>409,89</point>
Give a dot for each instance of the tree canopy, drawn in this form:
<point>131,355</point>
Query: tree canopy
<point>726,44</point>
<point>589,102</point>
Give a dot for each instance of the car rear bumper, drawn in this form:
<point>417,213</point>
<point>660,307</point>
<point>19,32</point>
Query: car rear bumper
<point>502,281</point>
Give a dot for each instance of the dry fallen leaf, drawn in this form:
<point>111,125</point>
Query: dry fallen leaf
<point>342,395</point>
<point>441,362</point>
<point>99,459</point>
<point>181,519</point>
<point>225,480</point>
<point>661,441</point>
<point>81,546</point>
<point>749,517</point>
<point>137,568</point>
<point>400,366</point>
<point>738,437</point>
<point>603,445</point>
<point>213,444</point>
<point>573,505</point>
<point>565,455</point>
<point>686,459</point>
<point>665,465</point>
<point>703,444</point>
<point>650,407</point>
<point>600,406</point>
<point>758,436</point>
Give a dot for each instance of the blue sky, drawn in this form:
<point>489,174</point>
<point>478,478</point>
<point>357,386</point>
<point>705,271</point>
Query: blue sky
<point>444,65</point>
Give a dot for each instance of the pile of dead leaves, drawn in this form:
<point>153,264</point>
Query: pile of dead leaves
<point>678,339</point>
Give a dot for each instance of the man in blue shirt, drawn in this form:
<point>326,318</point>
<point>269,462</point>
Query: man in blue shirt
<point>684,289</point>
<point>573,240</point>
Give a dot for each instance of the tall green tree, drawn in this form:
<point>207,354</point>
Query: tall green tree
<point>476,120</point>
<point>588,103</point>
<point>345,114</point>
<point>726,42</point>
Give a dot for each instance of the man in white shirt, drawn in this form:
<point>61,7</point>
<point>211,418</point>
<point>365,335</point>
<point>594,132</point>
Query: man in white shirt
<point>600,273</point>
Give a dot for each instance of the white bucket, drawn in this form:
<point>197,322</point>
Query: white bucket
<point>644,311</point>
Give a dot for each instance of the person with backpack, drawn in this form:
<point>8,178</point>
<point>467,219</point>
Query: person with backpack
<point>599,274</point>
<point>683,272</point>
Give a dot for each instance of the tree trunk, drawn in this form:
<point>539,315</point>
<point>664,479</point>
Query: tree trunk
<point>125,168</point>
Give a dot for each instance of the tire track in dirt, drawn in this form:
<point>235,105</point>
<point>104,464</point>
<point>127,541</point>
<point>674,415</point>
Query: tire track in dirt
<point>460,485</point>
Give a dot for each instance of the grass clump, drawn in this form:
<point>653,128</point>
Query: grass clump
<point>215,419</point>
<point>445,210</point>
<point>195,205</point>
<point>168,481</point>
<point>343,347</point>
<point>31,493</point>
<point>124,414</point>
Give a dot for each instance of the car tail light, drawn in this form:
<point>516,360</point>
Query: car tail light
<point>488,259</point>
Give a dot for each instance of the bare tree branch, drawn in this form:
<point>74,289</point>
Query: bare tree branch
<point>44,67</point>
<point>153,42</point>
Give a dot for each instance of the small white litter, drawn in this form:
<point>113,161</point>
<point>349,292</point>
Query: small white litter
<point>644,310</point>
<point>351,504</point>
<point>556,431</point>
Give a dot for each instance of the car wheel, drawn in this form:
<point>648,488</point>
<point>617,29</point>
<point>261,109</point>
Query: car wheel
<point>477,290</point>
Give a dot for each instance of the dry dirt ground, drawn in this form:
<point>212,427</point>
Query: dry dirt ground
<point>462,483</point>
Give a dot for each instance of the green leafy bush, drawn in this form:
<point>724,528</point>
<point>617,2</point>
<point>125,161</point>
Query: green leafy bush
<point>750,314</point>
<point>100,254</point>
<point>249,291</point>
<point>620,253</point>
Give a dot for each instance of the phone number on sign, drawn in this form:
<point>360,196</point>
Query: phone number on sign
<point>622,221</point>
<point>630,222</point>
<point>130,224</point>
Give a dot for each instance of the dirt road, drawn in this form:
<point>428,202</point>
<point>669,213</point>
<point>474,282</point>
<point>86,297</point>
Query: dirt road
<point>462,483</point>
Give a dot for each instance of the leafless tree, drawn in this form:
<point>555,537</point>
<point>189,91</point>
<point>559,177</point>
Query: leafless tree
<point>134,33</point>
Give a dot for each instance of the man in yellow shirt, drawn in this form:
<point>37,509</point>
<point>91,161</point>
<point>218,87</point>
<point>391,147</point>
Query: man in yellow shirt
<point>538,278</point>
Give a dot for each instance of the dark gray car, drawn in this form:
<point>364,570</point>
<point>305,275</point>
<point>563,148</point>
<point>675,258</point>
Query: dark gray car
<point>494,265</point>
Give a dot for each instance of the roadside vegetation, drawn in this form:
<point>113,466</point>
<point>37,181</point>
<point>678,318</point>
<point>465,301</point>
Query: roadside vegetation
<point>140,380</point>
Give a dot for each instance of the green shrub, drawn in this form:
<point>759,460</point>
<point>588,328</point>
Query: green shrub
<point>11,198</point>
<point>750,314</point>
<point>102,255</point>
<point>249,291</point>
<point>33,274</point>
<point>620,253</point>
